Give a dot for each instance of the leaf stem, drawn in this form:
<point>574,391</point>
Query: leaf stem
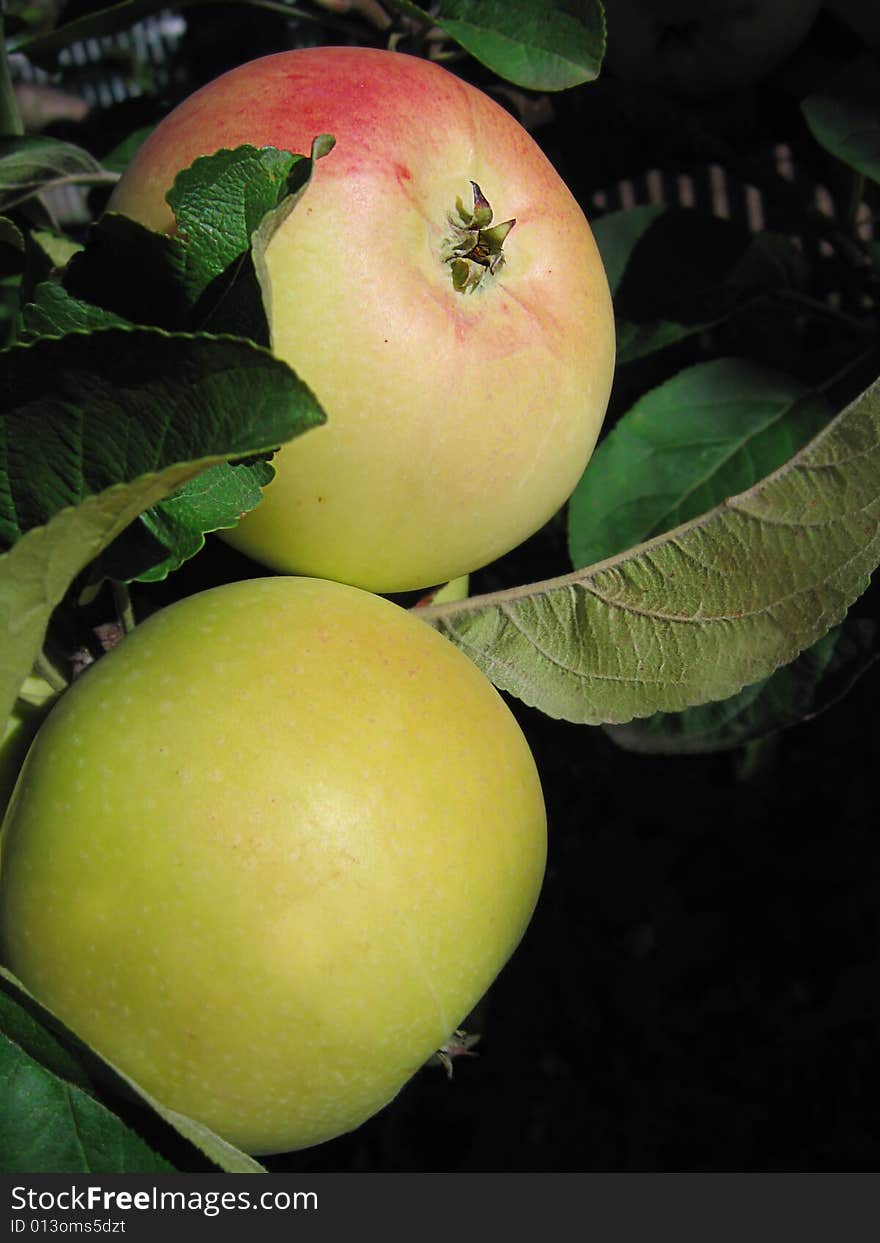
<point>104,178</point>
<point>124,607</point>
<point>852,365</point>
<point>822,309</point>
<point>756,759</point>
<point>46,668</point>
<point>10,117</point>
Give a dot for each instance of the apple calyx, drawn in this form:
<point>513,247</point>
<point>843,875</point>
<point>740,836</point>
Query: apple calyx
<point>475,246</point>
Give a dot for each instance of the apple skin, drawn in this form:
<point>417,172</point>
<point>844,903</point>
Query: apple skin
<point>703,47</point>
<point>458,423</point>
<point>267,853</point>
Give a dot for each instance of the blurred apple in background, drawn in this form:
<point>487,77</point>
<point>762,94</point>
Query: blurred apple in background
<point>703,47</point>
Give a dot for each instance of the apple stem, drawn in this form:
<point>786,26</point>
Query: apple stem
<point>475,247</point>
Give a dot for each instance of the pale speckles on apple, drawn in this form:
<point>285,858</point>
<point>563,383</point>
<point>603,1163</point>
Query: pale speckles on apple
<point>295,863</point>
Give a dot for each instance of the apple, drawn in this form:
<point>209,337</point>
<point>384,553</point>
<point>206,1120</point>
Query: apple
<point>268,852</point>
<point>464,395</point>
<point>703,47</point>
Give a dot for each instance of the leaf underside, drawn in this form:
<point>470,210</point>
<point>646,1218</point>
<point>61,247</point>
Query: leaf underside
<point>696,614</point>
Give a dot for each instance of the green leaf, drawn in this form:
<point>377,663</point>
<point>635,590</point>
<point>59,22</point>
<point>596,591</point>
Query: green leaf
<point>33,162</point>
<point>51,1121</point>
<point>58,248</point>
<point>133,273</point>
<point>107,1144</point>
<point>203,277</point>
<point>20,1026</point>
<point>797,692</point>
<point>617,235</point>
<point>844,116</point>
<point>220,200</point>
<point>212,501</point>
<point>44,46</point>
<point>709,432</point>
<point>54,312</point>
<point>11,238</point>
<point>97,429</point>
<point>117,160</point>
<point>694,615</point>
<point>547,47</point>
<point>127,274</point>
<point>274,218</point>
<point>83,412</point>
<point>674,272</point>
<point>36,573</point>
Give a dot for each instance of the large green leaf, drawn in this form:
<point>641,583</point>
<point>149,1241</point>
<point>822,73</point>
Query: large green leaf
<point>11,240</point>
<point>160,410</point>
<point>694,615</point>
<point>202,278</point>
<point>844,116</point>
<point>674,272</point>
<point>220,199</point>
<point>204,275</point>
<point>213,501</point>
<point>814,681</point>
<point>53,312</point>
<point>546,47</point>
<point>53,1120</point>
<point>131,273</point>
<point>712,430</point>
<point>34,162</point>
<point>84,411</point>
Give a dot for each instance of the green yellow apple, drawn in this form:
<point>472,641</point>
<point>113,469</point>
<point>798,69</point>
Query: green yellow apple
<point>268,852</point>
<point>461,411</point>
<point>703,47</point>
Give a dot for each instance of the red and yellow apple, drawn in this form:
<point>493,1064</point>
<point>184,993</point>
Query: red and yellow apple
<point>267,853</point>
<point>464,371</point>
<point>703,47</point>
